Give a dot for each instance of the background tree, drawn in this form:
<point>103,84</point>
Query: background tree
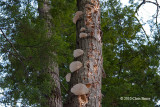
<point>26,78</point>
<point>54,99</point>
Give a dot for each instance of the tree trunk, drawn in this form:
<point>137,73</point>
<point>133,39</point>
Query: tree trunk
<point>90,74</point>
<point>54,100</point>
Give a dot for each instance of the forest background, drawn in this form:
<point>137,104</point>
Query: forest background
<point>131,56</point>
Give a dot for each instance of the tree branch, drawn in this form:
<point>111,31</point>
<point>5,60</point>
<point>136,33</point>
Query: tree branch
<point>142,28</point>
<point>152,2</point>
<point>139,7</point>
<point>11,53</point>
<point>158,6</point>
<point>11,45</point>
<point>157,15</point>
<point>155,3</point>
<point>63,86</point>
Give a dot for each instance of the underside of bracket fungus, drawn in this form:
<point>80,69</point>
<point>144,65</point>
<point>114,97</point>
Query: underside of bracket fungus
<point>74,66</point>
<point>83,35</point>
<point>77,16</point>
<point>68,77</point>
<point>78,52</point>
<point>79,89</point>
<point>83,100</point>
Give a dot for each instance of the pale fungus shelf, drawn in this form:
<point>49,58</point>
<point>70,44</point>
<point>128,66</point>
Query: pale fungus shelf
<point>79,89</point>
<point>68,77</point>
<point>78,52</point>
<point>77,16</point>
<point>83,35</point>
<point>82,29</point>
<point>74,66</point>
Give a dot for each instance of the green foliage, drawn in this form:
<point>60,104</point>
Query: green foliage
<point>26,77</point>
<point>131,66</point>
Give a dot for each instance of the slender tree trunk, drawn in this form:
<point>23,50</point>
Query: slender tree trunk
<point>90,73</point>
<point>54,100</point>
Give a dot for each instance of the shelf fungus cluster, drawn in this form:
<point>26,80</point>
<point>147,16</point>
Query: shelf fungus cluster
<point>88,86</point>
<point>81,90</point>
<point>91,20</point>
<point>75,65</point>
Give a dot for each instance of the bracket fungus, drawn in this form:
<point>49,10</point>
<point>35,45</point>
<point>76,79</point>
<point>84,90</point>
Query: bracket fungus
<point>68,77</point>
<point>83,35</point>
<point>77,16</point>
<point>82,29</point>
<point>78,52</point>
<point>74,66</point>
<point>79,89</point>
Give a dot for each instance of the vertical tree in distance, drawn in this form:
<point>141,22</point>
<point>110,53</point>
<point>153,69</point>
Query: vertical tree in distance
<point>88,66</point>
<point>54,100</point>
<point>35,39</point>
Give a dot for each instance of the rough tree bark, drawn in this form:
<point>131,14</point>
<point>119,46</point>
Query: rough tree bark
<point>88,39</point>
<point>54,100</point>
